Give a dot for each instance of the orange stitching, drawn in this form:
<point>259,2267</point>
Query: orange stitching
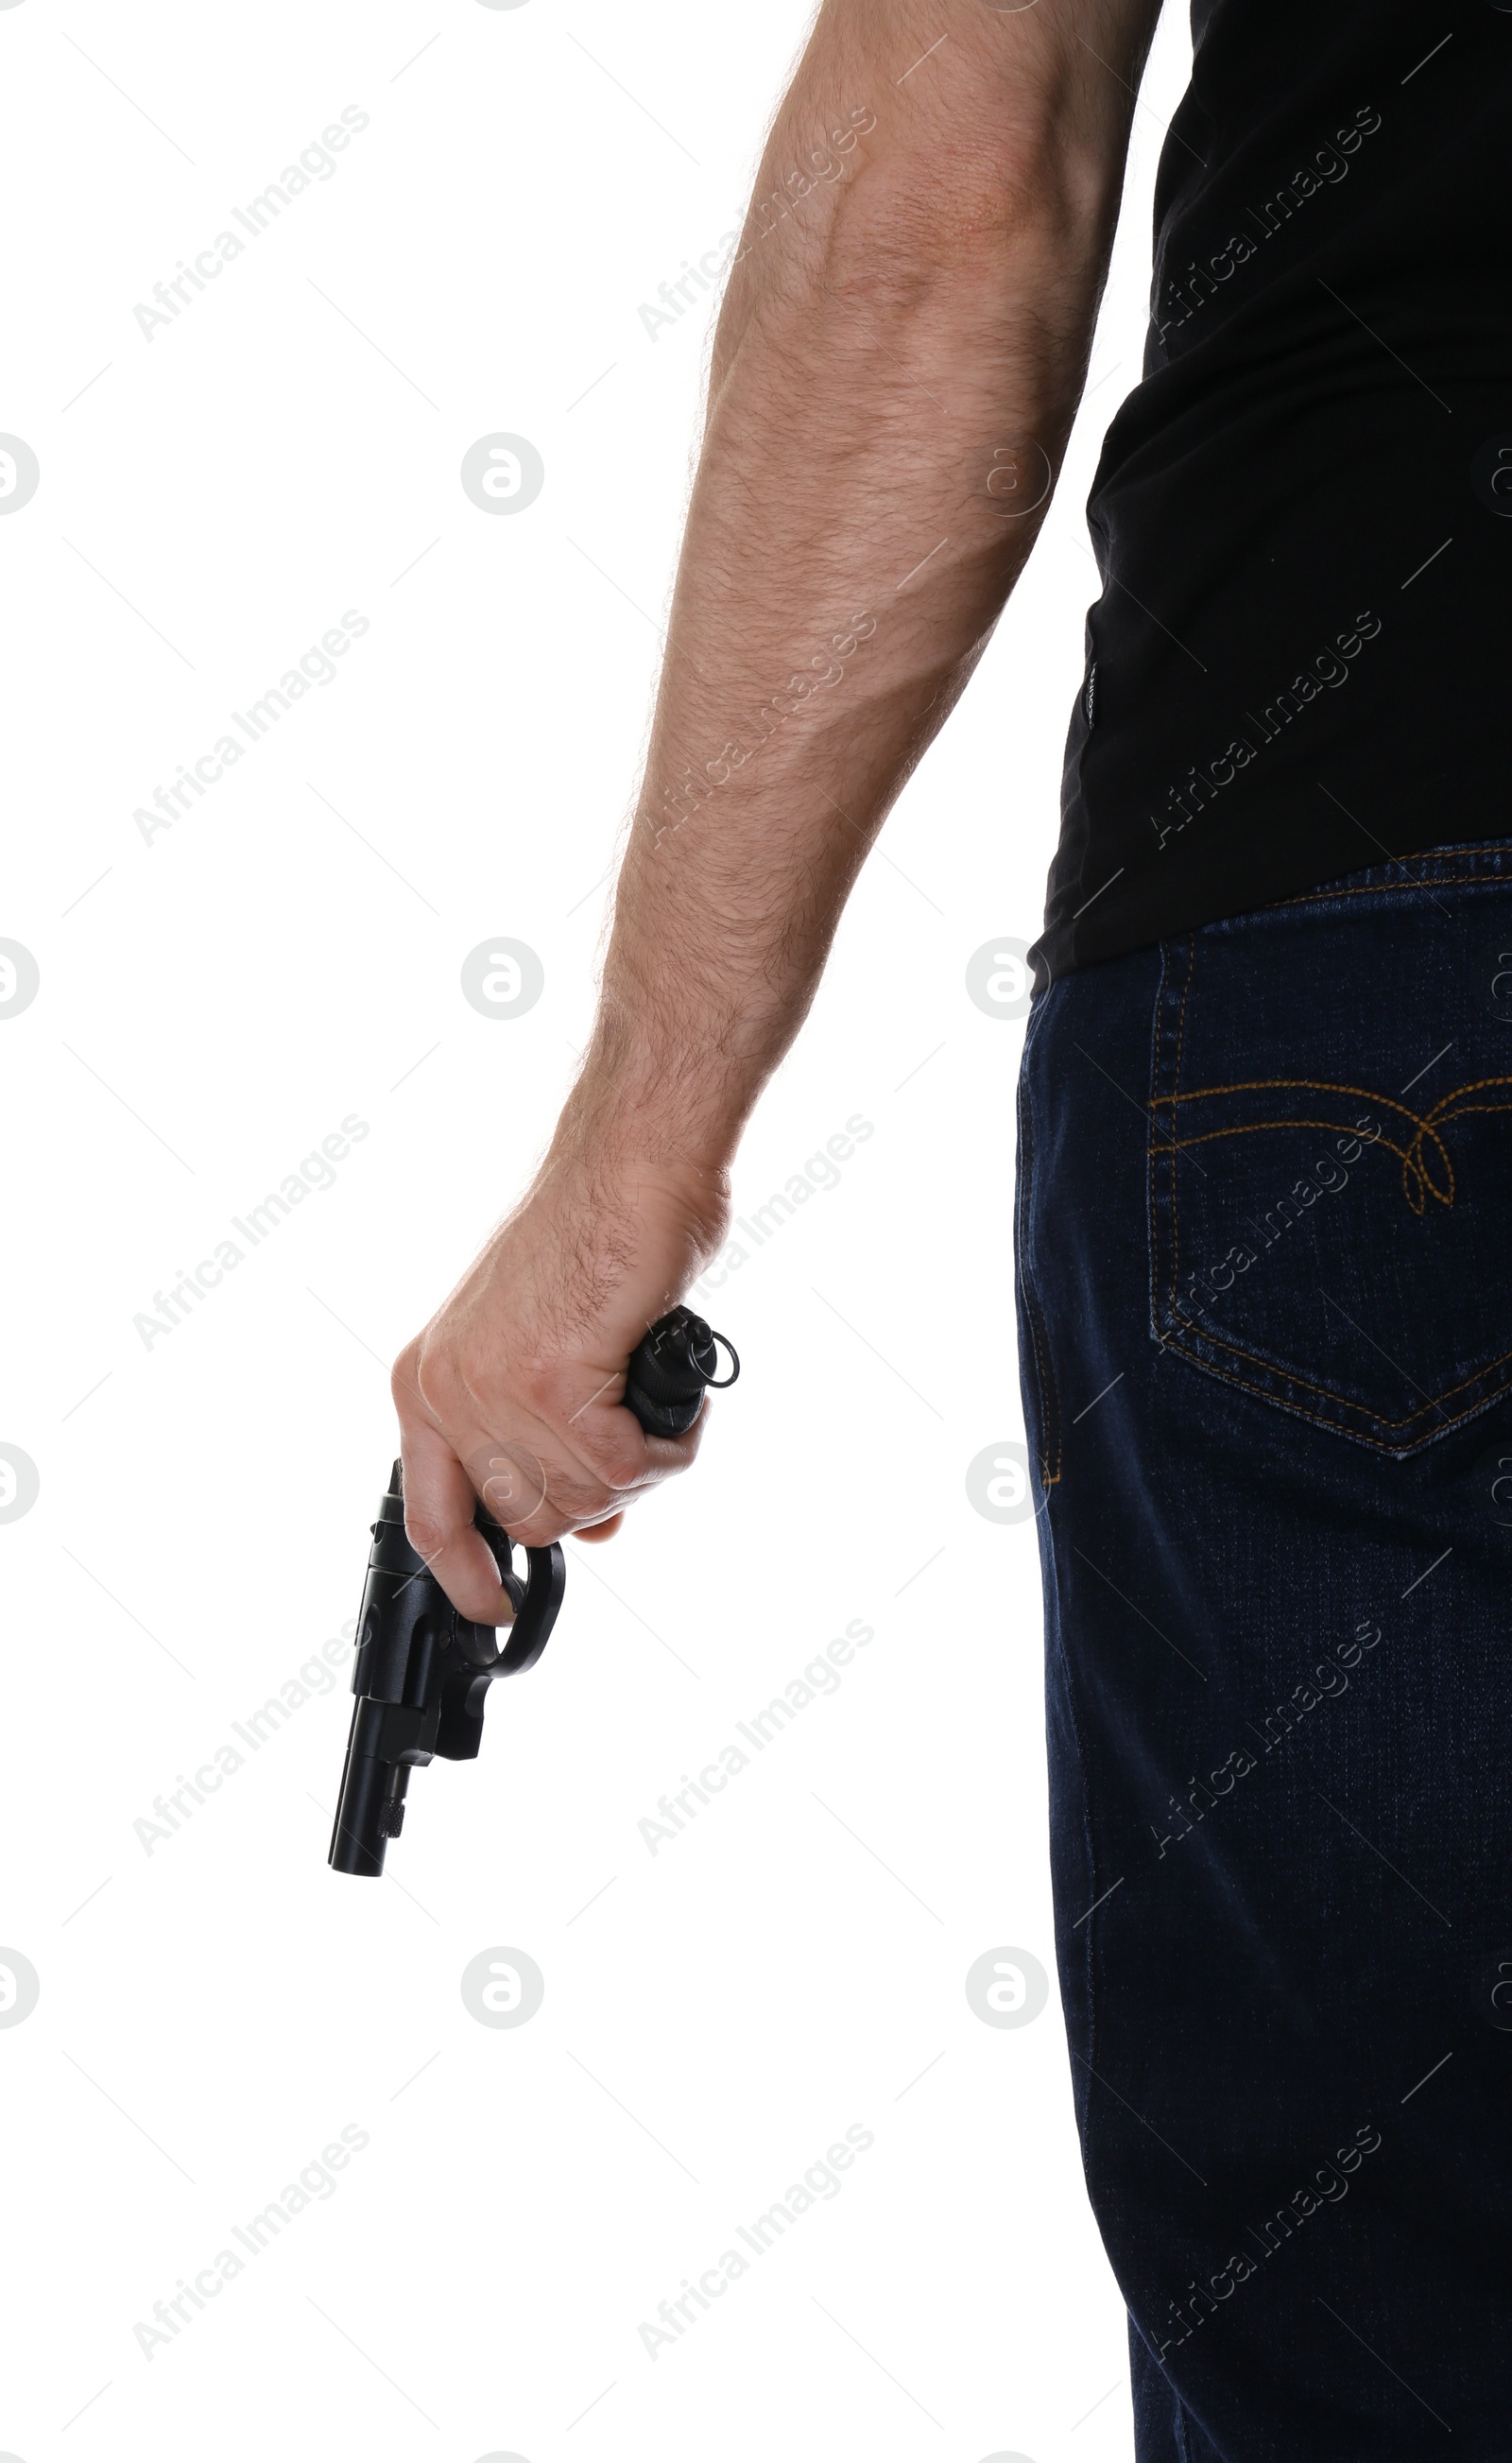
<point>1409,1156</point>
<point>1442,854</point>
<point>1459,1113</point>
<point>1411,1161</point>
<point>1442,1111</point>
<point>1241,1129</point>
<point>1294,1377</point>
<point>1472,1086</point>
<point>1316,1419</point>
<point>1394,888</point>
<point>1449,1107</point>
<point>1325,1086</point>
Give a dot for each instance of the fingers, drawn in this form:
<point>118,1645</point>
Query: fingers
<point>593,1457</point>
<point>606,1474</point>
<point>439,1502</point>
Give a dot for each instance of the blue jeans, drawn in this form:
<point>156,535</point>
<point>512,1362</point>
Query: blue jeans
<point>1265,1244</point>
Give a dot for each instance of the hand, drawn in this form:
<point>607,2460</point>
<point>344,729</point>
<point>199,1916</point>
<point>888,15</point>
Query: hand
<point>512,1392</point>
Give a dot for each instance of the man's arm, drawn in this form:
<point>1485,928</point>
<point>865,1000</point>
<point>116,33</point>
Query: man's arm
<point>899,356</point>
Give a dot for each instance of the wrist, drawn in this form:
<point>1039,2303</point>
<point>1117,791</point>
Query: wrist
<point>619,1158</point>
<point>678,1109</point>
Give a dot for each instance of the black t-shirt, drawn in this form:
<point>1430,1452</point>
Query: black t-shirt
<point>1303,514</point>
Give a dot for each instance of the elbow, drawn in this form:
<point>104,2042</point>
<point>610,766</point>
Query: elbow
<point>1021,210</point>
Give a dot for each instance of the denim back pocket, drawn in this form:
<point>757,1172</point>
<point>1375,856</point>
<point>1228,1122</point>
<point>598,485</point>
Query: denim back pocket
<point>1330,1151</point>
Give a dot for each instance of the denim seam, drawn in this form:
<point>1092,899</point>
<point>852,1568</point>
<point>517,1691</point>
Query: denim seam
<point>1081,2091</point>
<point>1159,1098</point>
<point>1175,1096</point>
<point>1321,1420</point>
<point>1395,889</point>
<point>1038,1338</point>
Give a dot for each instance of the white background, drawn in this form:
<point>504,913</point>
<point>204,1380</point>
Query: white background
<point>213,1004</point>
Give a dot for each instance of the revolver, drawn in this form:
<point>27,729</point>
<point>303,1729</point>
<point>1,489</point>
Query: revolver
<point>423,1670</point>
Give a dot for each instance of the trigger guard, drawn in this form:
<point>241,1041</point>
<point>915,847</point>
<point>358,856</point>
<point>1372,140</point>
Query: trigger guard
<point>535,1600</point>
<point>536,1614</point>
<point>501,1549</point>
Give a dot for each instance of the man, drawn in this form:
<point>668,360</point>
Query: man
<point>1265,1171</point>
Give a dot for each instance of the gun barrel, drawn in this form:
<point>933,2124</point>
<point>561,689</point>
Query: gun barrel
<point>370,1810</point>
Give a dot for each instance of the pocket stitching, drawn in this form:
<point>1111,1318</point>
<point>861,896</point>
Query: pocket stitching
<point>1449,1107</point>
<point>1292,1377</point>
<point>1319,1419</point>
<point>1163,1303</point>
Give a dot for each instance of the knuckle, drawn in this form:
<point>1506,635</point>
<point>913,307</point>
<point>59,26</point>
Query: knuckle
<point>403,1377</point>
<point>438,1383</point>
<point>619,1460</point>
<point>538,1384</point>
<point>578,1498</point>
<point>425,1530</point>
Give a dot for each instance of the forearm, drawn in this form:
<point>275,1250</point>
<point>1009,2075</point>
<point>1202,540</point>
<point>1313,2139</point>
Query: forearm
<point>897,367</point>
